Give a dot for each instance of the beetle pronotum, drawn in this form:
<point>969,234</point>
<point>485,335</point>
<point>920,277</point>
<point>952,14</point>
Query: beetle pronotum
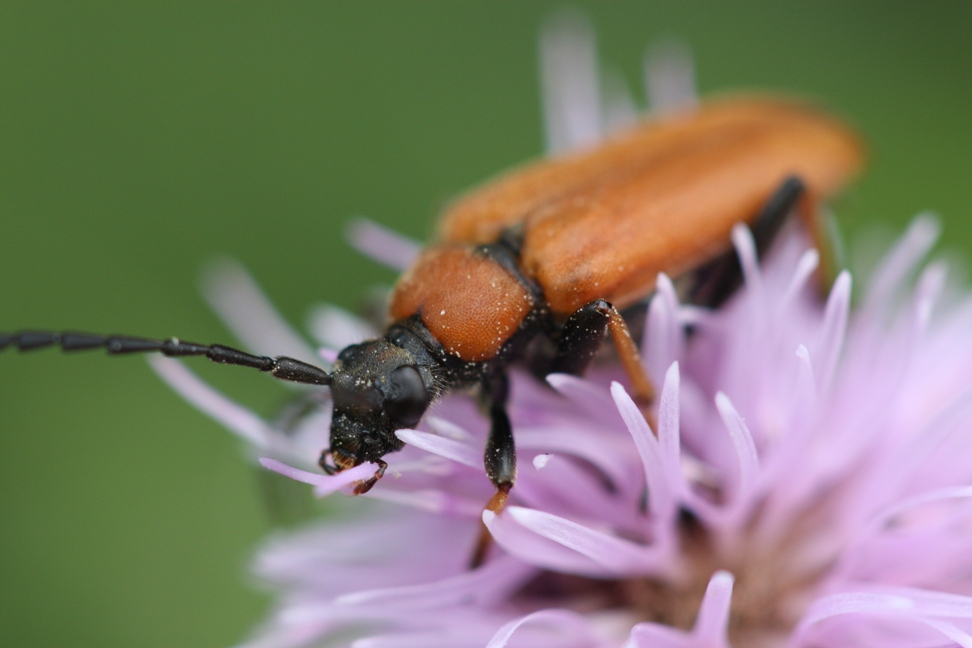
<point>535,265</point>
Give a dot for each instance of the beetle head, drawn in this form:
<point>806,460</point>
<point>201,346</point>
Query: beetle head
<point>376,388</point>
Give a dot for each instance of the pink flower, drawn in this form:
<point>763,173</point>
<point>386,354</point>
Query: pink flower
<point>809,482</point>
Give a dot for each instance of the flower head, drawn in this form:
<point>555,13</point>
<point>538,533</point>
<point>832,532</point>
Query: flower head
<point>808,483</point>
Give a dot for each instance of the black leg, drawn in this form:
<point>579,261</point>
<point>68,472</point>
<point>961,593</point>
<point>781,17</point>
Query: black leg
<point>715,282</point>
<point>582,336</point>
<point>500,457</point>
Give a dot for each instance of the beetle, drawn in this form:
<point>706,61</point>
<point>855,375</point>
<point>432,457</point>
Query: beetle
<point>536,266</point>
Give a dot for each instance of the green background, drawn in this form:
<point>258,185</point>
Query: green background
<point>137,142</point>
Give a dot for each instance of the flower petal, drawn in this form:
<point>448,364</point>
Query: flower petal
<point>613,553</point>
<point>887,278</point>
<point>712,624</point>
<point>593,398</point>
<point>336,328</point>
<point>742,442</point>
<point>664,332</point>
<point>323,484</point>
<point>668,431</point>
<point>566,629</point>
<point>661,502</point>
<point>454,449</point>
<point>801,276</point>
<point>569,74</point>
<point>238,419</point>
<point>830,340</point>
<point>670,77</point>
<point>382,244</point>
<point>237,298</point>
<point>491,583</point>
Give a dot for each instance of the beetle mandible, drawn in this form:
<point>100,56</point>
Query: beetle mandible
<point>536,265</point>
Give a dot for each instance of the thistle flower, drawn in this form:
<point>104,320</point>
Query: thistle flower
<point>808,483</point>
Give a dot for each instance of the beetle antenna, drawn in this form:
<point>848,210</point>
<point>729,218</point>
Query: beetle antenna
<point>280,367</point>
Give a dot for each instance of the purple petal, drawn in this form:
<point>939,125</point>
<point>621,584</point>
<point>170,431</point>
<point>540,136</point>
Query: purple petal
<point>491,583</point>
<point>655,635</point>
<point>668,430</point>
<point>613,553</point>
<point>538,550</point>
<point>961,637</point>
<point>571,93</point>
<point>712,624</point>
<point>664,333</point>
<point>567,629</point>
<point>742,240</point>
<point>607,454</point>
<point>901,261</point>
<point>787,461</point>
<point>848,603</point>
<point>670,77</point>
<point>593,398</point>
<point>323,484</point>
<point>382,244</point>
<point>564,485</point>
<point>449,429</point>
<point>801,276</point>
<point>931,283</point>
<point>742,442</point>
<point>238,419</point>
<point>245,309</point>
<point>336,328</point>
<point>661,502</point>
<point>830,340</point>
<point>880,520</point>
<point>429,500</point>
<point>453,449</point>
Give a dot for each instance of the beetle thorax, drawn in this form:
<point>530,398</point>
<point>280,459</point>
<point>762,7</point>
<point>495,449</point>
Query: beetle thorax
<point>467,301</point>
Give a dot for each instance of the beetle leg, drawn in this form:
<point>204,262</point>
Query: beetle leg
<point>583,334</point>
<point>500,458</point>
<point>716,281</point>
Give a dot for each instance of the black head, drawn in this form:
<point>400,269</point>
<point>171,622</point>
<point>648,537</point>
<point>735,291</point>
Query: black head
<point>377,388</point>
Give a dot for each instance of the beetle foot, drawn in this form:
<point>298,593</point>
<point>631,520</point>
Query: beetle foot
<point>363,487</point>
<point>496,504</point>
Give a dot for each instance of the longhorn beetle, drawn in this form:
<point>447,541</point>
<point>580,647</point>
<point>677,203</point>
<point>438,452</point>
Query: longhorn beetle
<point>535,265</point>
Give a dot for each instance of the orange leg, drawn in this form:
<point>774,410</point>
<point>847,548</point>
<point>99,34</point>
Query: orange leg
<point>641,384</point>
<point>496,504</point>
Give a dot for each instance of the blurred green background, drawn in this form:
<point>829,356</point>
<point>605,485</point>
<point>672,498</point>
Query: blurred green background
<point>139,141</point>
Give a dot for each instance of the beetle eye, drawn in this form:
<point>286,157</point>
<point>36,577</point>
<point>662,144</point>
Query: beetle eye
<point>407,399</point>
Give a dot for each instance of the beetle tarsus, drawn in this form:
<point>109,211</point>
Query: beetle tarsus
<point>484,541</point>
<point>364,486</point>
